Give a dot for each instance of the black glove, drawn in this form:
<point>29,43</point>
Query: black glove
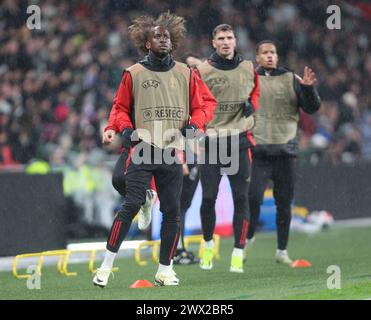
<point>128,135</point>
<point>189,131</point>
<point>248,108</point>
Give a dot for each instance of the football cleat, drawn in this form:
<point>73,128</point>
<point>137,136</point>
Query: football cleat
<point>145,212</point>
<point>101,277</point>
<point>166,279</point>
<point>248,248</point>
<point>184,257</point>
<point>236,264</point>
<point>206,262</point>
<point>283,257</point>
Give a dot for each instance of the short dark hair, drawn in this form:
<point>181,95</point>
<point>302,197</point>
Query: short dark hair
<point>264,42</point>
<point>222,27</point>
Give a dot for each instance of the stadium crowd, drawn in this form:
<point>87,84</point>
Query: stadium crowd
<point>57,84</point>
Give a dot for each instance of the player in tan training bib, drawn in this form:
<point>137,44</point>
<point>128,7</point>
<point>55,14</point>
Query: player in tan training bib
<point>282,95</point>
<point>235,85</point>
<point>158,101</point>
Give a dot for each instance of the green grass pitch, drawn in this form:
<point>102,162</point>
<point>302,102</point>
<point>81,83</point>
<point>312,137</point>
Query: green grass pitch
<point>348,248</point>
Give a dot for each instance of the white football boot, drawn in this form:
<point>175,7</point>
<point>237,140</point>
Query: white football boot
<point>248,247</point>
<point>166,279</point>
<point>101,277</point>
<point>283,257</point>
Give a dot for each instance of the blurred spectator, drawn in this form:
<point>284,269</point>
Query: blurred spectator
<point>6,155</point>
<point>366,134</point>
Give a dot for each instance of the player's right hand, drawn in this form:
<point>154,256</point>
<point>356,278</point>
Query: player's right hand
<point>189,131</point>
<point>127,135</point>
<point>248,109</point>
<point>108,136</point>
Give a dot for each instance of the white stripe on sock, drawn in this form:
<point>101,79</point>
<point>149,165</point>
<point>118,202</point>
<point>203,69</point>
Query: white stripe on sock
<point>109,258</point>
<point>237,252</point>
<point>209,244</point>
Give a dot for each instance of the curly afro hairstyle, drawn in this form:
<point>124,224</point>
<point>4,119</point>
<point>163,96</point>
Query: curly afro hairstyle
<point>141,28</point>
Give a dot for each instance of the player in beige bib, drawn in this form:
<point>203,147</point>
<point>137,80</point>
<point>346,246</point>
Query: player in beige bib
<point>157,95</point>
<point>282,93</point>
<point>235,85</point>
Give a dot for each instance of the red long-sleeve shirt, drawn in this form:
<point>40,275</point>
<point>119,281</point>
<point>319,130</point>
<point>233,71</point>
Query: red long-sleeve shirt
<point>202,104</point>
<point>255,93</point>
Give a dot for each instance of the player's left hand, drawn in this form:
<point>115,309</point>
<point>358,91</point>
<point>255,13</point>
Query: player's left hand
<point>248,108</point>
<point>189,131</point>
<point>108,137</point>
<point>309,77</point>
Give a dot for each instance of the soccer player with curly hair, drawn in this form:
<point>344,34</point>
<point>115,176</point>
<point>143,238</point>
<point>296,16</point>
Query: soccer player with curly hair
<point>156,95</point>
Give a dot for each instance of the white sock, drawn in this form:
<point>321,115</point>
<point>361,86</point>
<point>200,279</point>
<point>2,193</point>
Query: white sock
<point>180,244</point>
<point>237,252</point>
<point>281,252</point>
<point>165,269</point>
<point>109,258</point>
<point>250,240</point>
<point>209,244</point>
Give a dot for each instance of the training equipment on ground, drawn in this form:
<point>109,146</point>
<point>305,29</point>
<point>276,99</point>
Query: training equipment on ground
<point>92,248</point>
<point>141,284</point>
<point>301,263</point>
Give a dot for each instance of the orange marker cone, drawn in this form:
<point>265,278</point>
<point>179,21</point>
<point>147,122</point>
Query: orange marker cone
<point>142,284</point>
<point>301,263</point>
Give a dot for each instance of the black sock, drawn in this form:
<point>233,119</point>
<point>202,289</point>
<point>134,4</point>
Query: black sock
<point>208,218</point>
<point>283,220</point>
